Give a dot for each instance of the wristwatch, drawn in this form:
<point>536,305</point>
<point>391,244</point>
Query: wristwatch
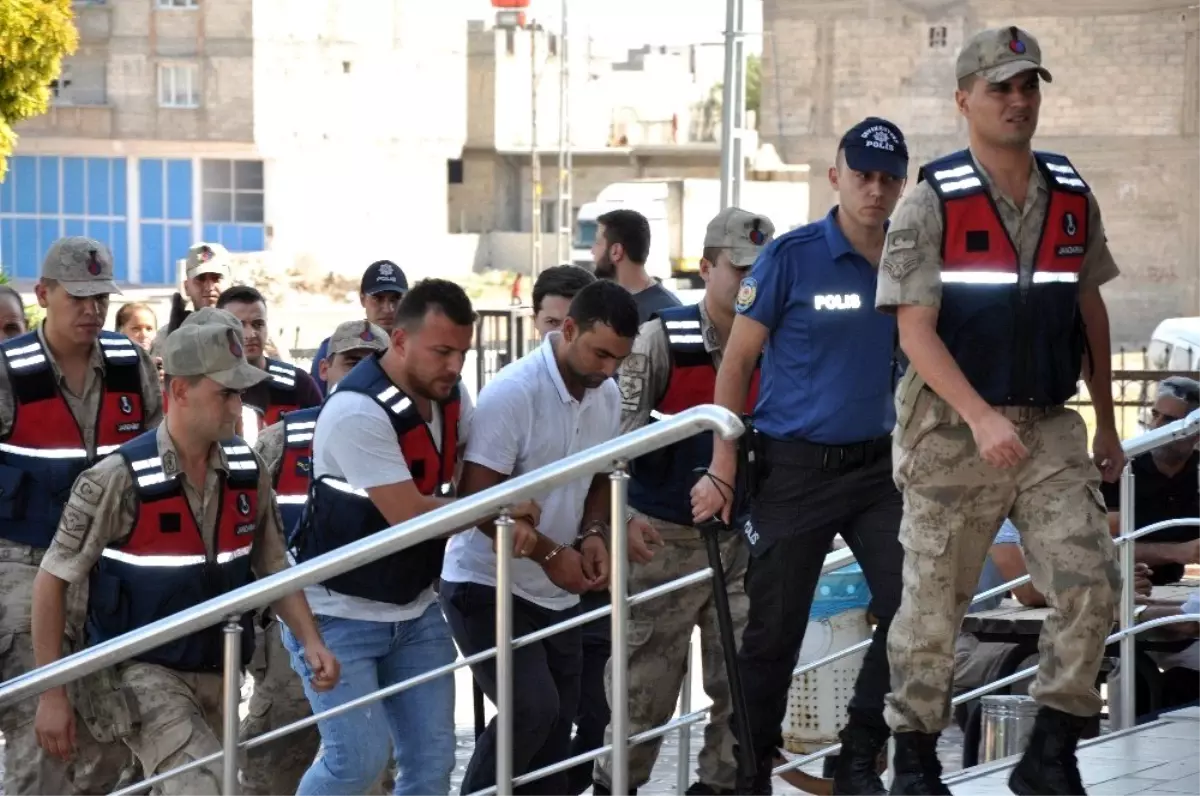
<point>1138,610</point>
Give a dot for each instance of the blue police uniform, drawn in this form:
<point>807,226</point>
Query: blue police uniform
<point>823,425</point>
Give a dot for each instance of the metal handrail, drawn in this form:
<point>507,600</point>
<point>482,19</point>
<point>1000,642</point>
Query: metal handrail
<point>654,593</point>
<point>1001,683</point>
<point>461,513</point>
<point>1179,429</point>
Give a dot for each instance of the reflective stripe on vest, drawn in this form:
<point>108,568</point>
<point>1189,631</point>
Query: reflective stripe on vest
<point>976,247</point>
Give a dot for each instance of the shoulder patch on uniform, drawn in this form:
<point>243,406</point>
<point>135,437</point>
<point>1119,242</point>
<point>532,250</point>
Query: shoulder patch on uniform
<point>900,264</point>
<point>746,294</point>
<point>631,392</point>
<point>902,240</point>
<point>73,528</point>
<point>87,490</point>
<point>635,363</point>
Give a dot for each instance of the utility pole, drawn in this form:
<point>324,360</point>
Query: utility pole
<point>733,104</point>
<point>535,165</point>
<point>562,213</point>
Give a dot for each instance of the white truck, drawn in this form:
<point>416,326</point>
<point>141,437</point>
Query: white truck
<point>679,210</point>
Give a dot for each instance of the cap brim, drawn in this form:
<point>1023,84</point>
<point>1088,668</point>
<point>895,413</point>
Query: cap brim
<point>242,377</point>
<point>867,159</point>
<point>744,256</point>
<point>90,288</point>
<point>219,270</point>
<point>1007,71</point>
<point>368,348</point>
<point>375,290</point>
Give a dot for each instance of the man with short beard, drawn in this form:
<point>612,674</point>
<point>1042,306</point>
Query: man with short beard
<point>620,251</point>
<point>993,268</point>
<point>207,274</point>
<point>557,401</point>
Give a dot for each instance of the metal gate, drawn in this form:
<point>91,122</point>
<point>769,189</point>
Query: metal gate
<point>501,337</point>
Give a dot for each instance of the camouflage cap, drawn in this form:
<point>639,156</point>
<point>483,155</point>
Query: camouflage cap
<point>357,336</point>
<point>740,231</point>
<point>83,266</point>
<point>207,258</point>
<point>213,350</point>
<point>208,315</point>
<point>998,54</point>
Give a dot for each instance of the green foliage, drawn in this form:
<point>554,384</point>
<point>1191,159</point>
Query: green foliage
<point>34,37</point>
<point>712,107</point>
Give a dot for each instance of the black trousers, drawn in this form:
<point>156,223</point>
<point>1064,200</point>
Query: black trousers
<point>796,513</point>
<point>593,714</point>
<point>545,684</point>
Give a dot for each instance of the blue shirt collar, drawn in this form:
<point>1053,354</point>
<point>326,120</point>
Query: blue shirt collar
<point>839,246</point>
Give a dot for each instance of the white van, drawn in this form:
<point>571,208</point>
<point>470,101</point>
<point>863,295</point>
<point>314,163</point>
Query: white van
<point>1175,345</point>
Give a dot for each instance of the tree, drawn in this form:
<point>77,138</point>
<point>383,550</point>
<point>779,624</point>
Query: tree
<point>34,37</point>
<point>712,106</point>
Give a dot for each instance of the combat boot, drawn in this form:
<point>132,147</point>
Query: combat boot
<point>1048,766</point>
<point>704,789</point>
<point>916,768</point>
<point>857,772</point>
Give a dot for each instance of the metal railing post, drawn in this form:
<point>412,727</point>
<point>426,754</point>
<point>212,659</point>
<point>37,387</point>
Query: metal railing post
<point>683,774</point>
<point>1128,696</point>
<point>619,569</point>
<point>504,655</point>
<point>233,697</point>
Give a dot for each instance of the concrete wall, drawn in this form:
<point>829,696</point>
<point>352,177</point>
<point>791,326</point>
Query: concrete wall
<point>1124,106</point>
<point>496,190</point>
<point>358,104</point>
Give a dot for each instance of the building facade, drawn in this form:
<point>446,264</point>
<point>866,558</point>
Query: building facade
<point>630,119</point>
<point>1124,106</point>
<point>302,129</point>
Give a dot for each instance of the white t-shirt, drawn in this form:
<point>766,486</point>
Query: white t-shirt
<point>526,419</point>
<point>354,440</point>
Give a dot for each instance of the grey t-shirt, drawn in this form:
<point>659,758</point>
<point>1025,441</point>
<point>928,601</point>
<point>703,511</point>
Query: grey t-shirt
<point>652,299</point>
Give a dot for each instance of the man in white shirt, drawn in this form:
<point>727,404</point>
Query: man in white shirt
<point>385,450</point>
<point>555,402</point>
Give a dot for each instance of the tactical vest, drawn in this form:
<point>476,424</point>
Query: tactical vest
<point>339,514</point>
<point>44,451</point>
<point>295,469</point>
<point>661,481</point>
<point>1019,342</point>
<point>281,391</point>
<point>163,568</point>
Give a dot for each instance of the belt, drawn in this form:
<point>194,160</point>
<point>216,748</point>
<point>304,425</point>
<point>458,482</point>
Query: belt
<point>802,453</point>
<point>1017,414</point>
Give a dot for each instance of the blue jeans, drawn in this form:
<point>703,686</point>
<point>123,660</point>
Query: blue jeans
<point>418,722</point>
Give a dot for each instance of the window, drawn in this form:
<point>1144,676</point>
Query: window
<point>937,36</point>
<point>46,197</point>
<point>177,3</point>
<point>179,86</point>
<point>59,88</point>
<point>454,171</point>
<point>548,216</point>
<point>233,191</point>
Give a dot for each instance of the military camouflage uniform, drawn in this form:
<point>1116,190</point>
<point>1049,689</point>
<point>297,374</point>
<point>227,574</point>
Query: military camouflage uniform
<point>660,632</point>
<point>954,501</point>
<point>179,712</point>
<point>27,768</point>
<point>278,698</point>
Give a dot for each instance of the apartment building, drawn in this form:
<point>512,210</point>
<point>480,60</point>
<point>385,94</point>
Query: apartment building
<point>316,131</point>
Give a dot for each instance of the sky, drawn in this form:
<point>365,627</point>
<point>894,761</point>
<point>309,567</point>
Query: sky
<point>623,24</point>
